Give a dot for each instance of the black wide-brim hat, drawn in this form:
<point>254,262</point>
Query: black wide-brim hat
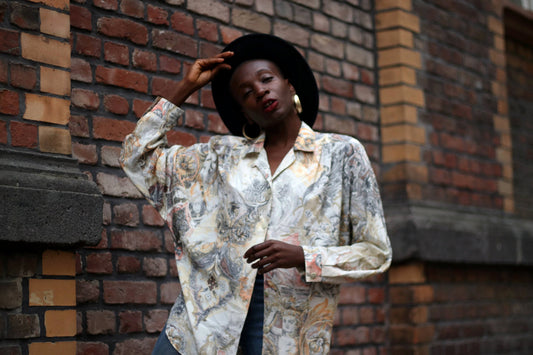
<point>291,63</point>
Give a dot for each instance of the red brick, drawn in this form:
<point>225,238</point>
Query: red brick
<point>157,15</point>
<point>169,292</point>
<point>136,292</point>
<point>352,294</point>
<point>181,138</point>
<point>9,42</point>
<point>366,315</point>
<point>229,34</point>
<point>182,23</point>
<point>128,264</point>
<point>9,102</point>
<point>99,263</point>
<point>123,28</point>
<point>194,119</point>
<point>106,4</point>
<point>207,99</point>
<point>91,348</point>
<point>169,64</point>
<point>376,295</point>
<point>112,185</point>
<point>155,319</point>
<point>174,42</point>
<point>136,240</point>
<point>155,267</point>
<point>3,70</point>
<point>79,126</point>
<point>352,336</point>
<point>215,124</point>
<point>21,326</point>
<point>85,153</point>
<point>144,60</point>
<point>80,17</point>
<point>116,104</point>
<point>126,214</point>
<point>337,86</point>
<point>85,99</point>
<point>133,8</point>
<point>26,17</point>
<point>151,217</point>
<point>170,246</point>
<point>135,346</point>
<point>122,78</point>
<point>140,107</point>
<point>87,291</point>
<point>22,264</point>
<point>88,45</point>
<point>100,322</point>
<point>349,315</point>
<point>207,30</point>
<point>162,86</point>
<point>23,76</point>
<point>80,70</point>
<point>110,156</point>
<point>116,53</point>
<point>208,50</point>
<point>130,322</point>
<point>3,132</point>
<point>111,129</point>
<point>23,134</point>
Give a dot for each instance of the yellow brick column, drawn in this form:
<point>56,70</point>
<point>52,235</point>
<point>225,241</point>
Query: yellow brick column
<point>50,48</point>
<point>56,291</point>
<point>400,97</point>
<point>502,123</point>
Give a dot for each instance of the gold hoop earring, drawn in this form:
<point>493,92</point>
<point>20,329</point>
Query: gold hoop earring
<point>244,133</point>
<point>297,103</point>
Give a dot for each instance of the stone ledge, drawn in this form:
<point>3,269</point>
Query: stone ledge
<point>444,233</point>
<point>47,200</point>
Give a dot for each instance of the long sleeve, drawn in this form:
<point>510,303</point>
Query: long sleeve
<point>368,251</point>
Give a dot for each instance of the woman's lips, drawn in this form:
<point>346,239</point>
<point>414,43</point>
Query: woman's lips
<point>270,105</point>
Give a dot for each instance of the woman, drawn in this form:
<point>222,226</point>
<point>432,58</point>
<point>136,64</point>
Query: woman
<point>282,208</point>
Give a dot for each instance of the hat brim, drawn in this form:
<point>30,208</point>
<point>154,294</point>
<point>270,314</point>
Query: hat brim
<point>291,63</point>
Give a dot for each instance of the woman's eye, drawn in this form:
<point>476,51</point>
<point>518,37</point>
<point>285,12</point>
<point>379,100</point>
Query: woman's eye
<point>267,79</point>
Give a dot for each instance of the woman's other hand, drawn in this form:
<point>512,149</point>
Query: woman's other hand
<point>199,74</point>
<point>274,254</point>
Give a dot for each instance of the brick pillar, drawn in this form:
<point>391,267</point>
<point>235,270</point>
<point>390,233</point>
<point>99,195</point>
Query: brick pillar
<point>400,97</point>
<point>502,124</point>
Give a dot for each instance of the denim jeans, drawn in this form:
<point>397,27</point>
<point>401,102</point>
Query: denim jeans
<point>251,342</point>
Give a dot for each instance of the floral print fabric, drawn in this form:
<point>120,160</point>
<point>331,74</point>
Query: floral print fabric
<point>220,198</point>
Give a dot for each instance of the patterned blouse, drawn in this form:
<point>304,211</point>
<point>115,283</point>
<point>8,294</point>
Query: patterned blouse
<point>220,198</point>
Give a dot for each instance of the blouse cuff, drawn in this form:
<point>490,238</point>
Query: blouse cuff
<point>313,263</point>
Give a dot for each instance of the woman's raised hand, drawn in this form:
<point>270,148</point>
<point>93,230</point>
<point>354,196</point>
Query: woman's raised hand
<point>200,73</point>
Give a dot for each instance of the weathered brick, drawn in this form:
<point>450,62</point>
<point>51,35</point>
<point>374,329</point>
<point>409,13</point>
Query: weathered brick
<point>85,153</point>
<point>23,76</point>
<point>169,292</point>
<point>80,17</point>
<point>151,217</point>
<point>130,322</point>
<point>45,50</point>
<point>87,291</point>
<point>163,86</point>
<point>123,28</point>
<point>99,263</point>
<point>116,186</point>
<point>135,346</point>
<point>22,264</point>
<point>100,322</point>
<point>85,99</point>
<point>169,64</point>
<point>229,34</point>
<point>141,240</point>
<point>128,264</point>
<point>351,294</point>
<point>88,45</point>
<point>144,60</point>
<point>23,16</point>
<point>10,294</point>
<point>174,42</point>
<point>79,126</point>
<point>92,348</point>
<point>50,292</point>
<point>22,326</point>
<point>122,78</point>
<point>9,102</point>
<point>126,214</point>
<point>106,4</point>
<point>207,30</point>
<point>81,70</point>
<point>23,135</point>
<point>111,129</point>
<point>155,319</point>
<point>352,336</point>
<point>133,8</point>
<point>338,86</point>
<point>210,8</point>
<point>47,109</point>
<point>157,15</point>
<point>136,292</point>
<point>60,323</point>
<point>3,132</point>
<point>9,42</point>
<point>116,53</point>
<point>110,156</point>
<point>54,23</point>
<point>55,81</point>
<point>181,138</point>
<point>155,267</point>
<point>182,22</point>
<point>116,104</point>
<point>55,140</point>
<point>140,107</point>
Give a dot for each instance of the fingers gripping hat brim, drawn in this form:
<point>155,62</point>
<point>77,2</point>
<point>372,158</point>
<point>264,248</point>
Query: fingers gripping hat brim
<point>291,63</point>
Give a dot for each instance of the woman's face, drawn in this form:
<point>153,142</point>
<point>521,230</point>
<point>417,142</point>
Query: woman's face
<point>262,92</point>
